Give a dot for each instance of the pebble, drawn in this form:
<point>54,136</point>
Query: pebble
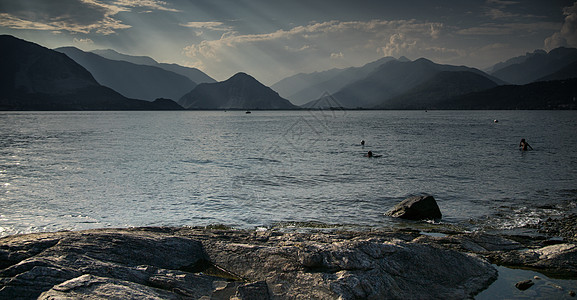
<point>523,285</point>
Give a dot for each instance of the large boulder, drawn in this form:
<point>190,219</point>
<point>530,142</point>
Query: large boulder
<point>416,208</point>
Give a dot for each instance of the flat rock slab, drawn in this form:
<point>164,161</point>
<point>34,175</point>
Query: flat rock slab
<point>556,260</point>
<point>188,263</point>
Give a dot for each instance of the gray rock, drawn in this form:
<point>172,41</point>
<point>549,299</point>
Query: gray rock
<point>105,253</point>
<point>368,268</point>
<point>176,263</point>
<point>94,287</point>
<point>416,208</point>
<point>253,291</point>
<point>555,260</point>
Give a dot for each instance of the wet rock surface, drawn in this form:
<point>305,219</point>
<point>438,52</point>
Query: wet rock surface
<point>565,227</point>
<point>197,263</point>
<point>186,263</point>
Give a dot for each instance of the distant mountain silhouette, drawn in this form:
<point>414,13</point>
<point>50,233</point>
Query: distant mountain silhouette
<point>132,80</point>
<point>558,94</point>
<point>514,60</point>
<point>534,66</point>
<point>395,78</point>
<point>113,55</point>
<point>302,88</point>
<point>193,74</point>
<point>567,72</point>
<point>37,78</point>
<point>241,91</point>
<point>442,86</point>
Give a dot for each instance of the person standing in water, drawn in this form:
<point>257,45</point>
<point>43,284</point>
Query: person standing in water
<point>524,146</point>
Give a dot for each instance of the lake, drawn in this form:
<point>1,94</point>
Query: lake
<point>79,170</point>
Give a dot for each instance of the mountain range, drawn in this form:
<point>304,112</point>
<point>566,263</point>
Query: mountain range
<point>36,78</point>
<point>534,66</point>
<point>132,80</point>
<point>194,74</point>
<point>557,94</point>
<point>302,88</point>
<point>405,84</point>
<point>391,81</point>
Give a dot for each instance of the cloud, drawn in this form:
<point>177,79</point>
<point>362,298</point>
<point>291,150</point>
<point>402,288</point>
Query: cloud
<point>74,16</point>
<point>496,13</point>
<point>349,34</point>
<point>505,29</point>
<point>83,41</point>
<point>150,4</point>
<point>567,36</point>
<point>339,55</point>
<point>311,47</point>
<point>501,2</point>
<point>215,26</point>
<point>398,43</point>
<point>10,21</point>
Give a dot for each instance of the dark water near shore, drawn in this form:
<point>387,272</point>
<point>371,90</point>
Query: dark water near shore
<point>76,170</point>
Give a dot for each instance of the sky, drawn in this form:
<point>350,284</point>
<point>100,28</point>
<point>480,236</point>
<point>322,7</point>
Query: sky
<point>273,39</point>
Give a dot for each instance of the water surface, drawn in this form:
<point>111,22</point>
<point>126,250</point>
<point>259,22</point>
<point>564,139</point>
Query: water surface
<point>76,170</point>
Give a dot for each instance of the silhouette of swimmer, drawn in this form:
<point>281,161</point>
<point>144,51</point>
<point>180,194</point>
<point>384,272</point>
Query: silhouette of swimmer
<point>362,142</point>
<point>524,146</point>
<point>369,154</point>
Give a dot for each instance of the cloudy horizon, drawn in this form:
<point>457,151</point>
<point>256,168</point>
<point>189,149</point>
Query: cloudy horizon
<point>272,39</point>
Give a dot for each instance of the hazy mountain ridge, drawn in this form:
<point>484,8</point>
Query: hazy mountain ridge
<point>558,94</point>
<point>132,80</point>
<point>394,78</point>
<point>442,86</point>
<point>514,60</point>
<point>536,65</point>
<point>567,72</point>
<point>36,78</point>
<point>303,87</point>
<point>193,74</point>
<point>241,91</point>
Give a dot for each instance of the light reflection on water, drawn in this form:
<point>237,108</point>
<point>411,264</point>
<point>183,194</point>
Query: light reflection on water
<point>77,170</point>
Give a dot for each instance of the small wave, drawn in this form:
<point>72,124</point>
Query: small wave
<point>196,161</point>
<point>266,160</point>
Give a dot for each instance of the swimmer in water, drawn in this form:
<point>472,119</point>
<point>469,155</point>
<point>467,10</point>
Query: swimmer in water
<point>524,146</point>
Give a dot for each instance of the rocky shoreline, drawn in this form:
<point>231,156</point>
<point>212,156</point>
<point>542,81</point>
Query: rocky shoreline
<point>224,263</point>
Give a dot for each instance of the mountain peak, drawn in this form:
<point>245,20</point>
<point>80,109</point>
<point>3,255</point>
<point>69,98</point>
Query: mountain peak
<point>423,60</point>
<point>241,91</point>
<point>243,77</point>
